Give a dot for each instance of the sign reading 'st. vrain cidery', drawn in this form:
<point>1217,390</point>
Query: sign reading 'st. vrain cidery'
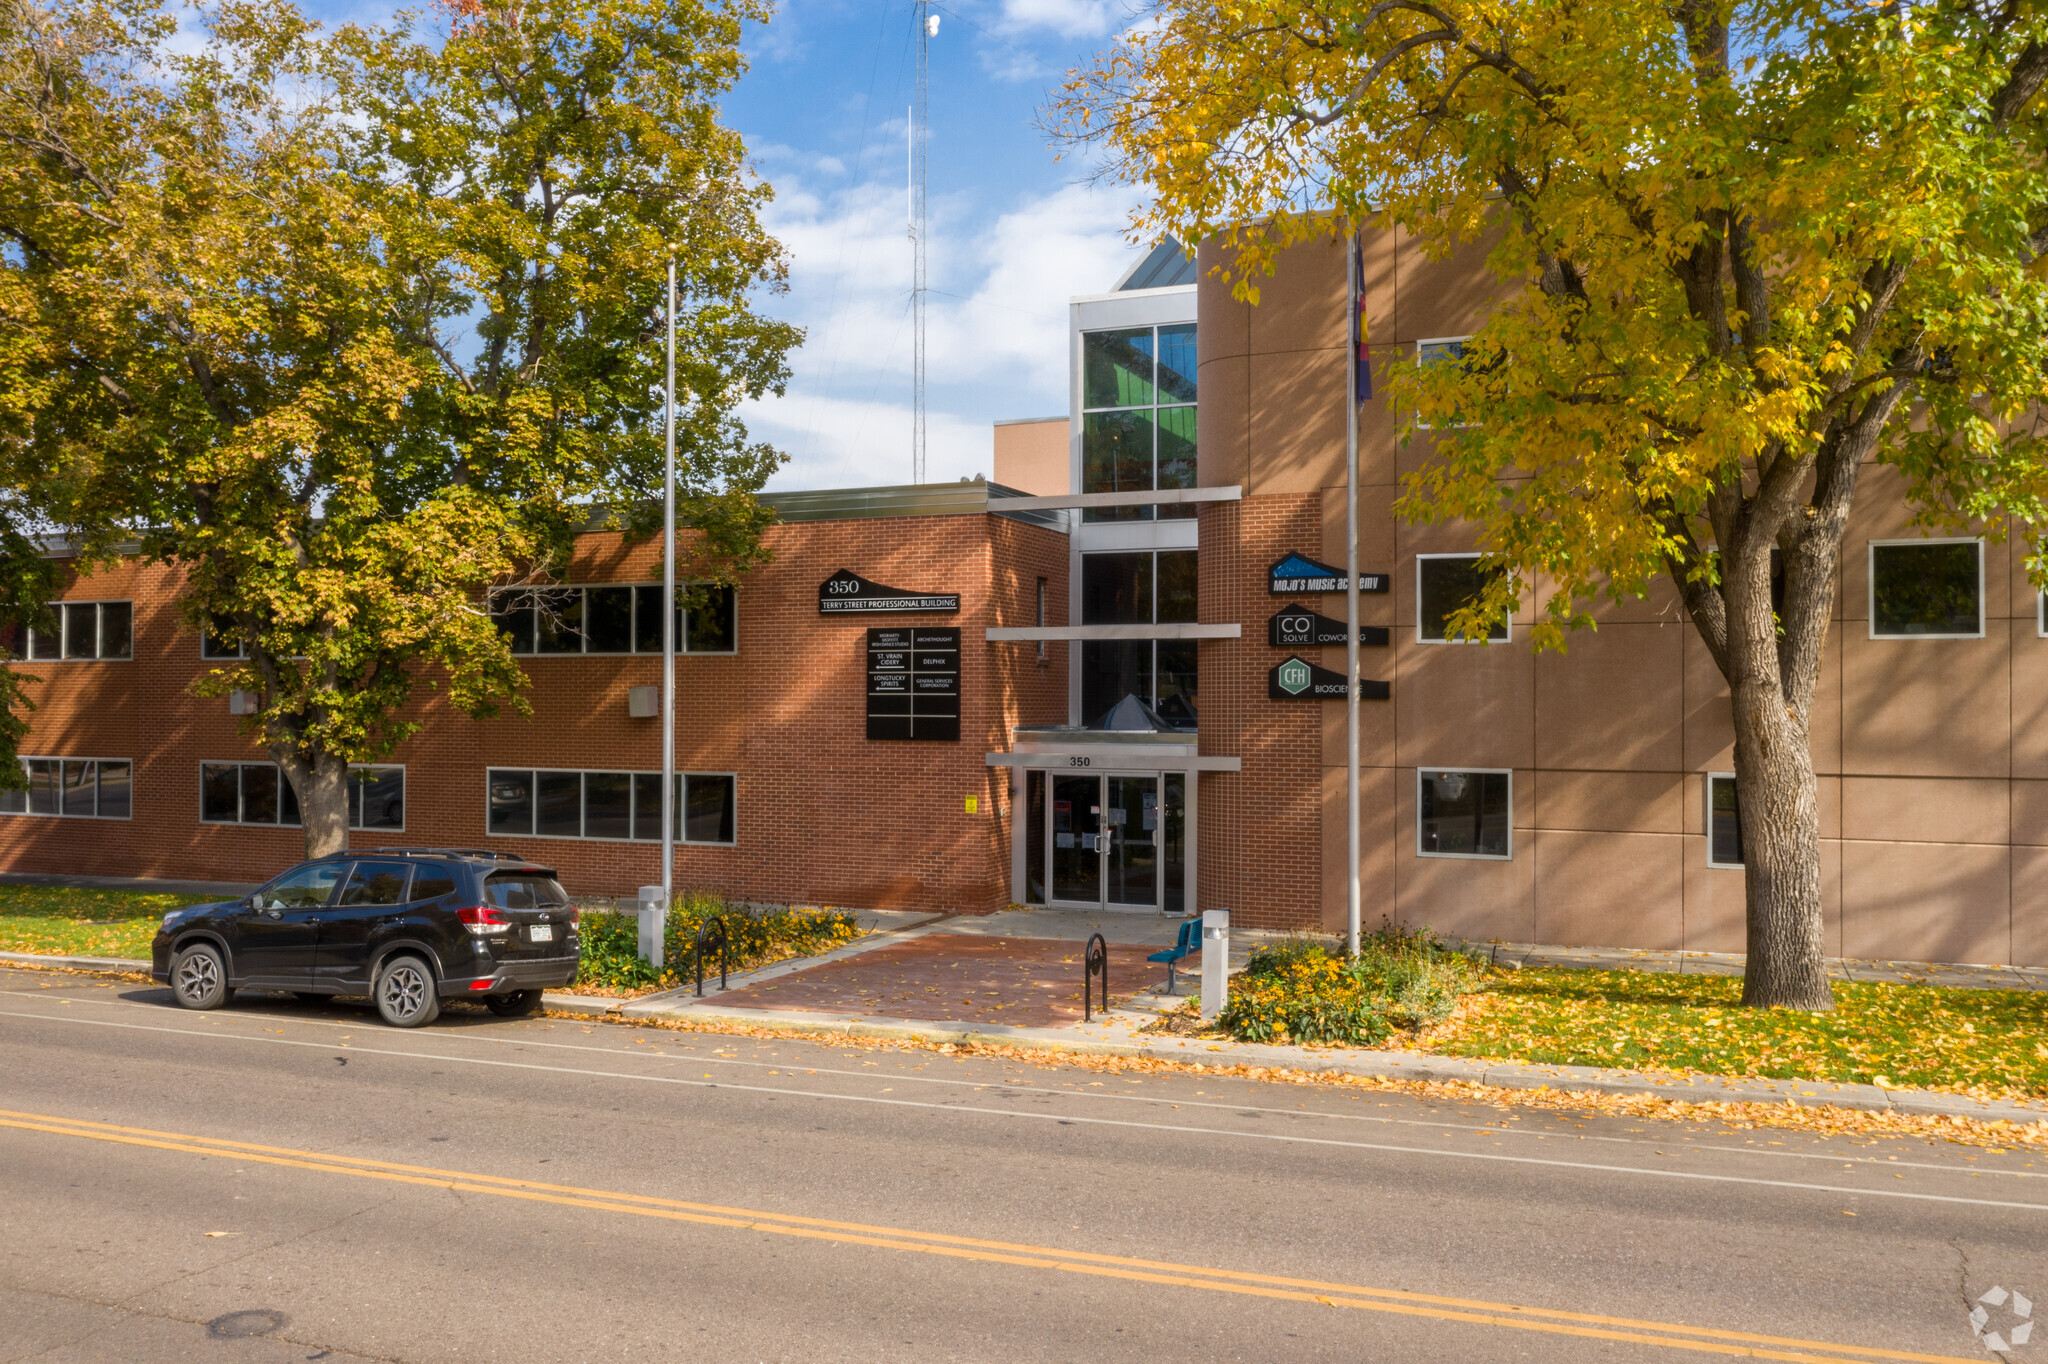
<point>846,593</point>
<point>1298,573</point>
<point>914,683</point>
<point>1297,679</point>
<point>1297,627</point>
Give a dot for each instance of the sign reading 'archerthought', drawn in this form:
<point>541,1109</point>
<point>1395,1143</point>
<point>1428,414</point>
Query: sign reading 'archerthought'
<point>1297,679</point>
<point>914,683</point>
<point>846,593</point>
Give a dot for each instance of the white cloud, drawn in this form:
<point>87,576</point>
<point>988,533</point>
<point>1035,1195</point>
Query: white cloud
<point>1068,18</point>
<point>996,323</point>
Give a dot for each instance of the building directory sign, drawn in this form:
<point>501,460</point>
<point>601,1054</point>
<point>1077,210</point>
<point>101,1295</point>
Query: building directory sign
<point>846,593</point>
<point>914,683</point>
<point>1297,679</point>
<point>1297,627</point>
<point>1298,573</point>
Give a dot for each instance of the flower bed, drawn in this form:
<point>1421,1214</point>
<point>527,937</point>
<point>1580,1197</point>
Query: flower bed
<point>612,963</point>
<point>1308,989</point>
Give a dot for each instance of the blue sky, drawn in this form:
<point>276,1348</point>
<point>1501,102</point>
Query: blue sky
<point>1014,231</point>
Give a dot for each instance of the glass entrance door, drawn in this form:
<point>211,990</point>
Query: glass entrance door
<point>1130,840</point>
<point>1104,841</point>
<point>1076,839</point>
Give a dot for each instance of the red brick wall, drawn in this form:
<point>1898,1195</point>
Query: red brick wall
<point>824,816</point>
<point>1261,829</point>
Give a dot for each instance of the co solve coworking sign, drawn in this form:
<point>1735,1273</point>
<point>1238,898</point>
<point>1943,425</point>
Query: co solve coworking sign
<point>846,593</point>
<point>1297,627</point>
<point>1298,573</point>
<point>1297,679</point>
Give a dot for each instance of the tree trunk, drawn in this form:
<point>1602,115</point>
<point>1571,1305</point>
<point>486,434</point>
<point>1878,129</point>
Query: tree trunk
<point>1780,811</point>
<point>322,788</point>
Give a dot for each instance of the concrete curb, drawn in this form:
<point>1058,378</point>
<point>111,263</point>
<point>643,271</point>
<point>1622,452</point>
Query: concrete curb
<point>77,963</point>
<point>1105,1040</point>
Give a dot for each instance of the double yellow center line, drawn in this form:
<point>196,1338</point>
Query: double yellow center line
<point>1741,1344</point>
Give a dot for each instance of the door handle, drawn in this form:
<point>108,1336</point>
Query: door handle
<point>274,913</point>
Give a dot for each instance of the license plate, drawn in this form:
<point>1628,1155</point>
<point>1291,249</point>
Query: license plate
<point>542,932</point>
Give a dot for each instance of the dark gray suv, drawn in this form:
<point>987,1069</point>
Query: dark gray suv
<point>408,927</point>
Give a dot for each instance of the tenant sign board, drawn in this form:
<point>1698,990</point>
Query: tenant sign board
<point>1297,573</point>
<point>1297,679</point>
<point>846,593</point>
<point>1297,627</point>
<point>914,683</point>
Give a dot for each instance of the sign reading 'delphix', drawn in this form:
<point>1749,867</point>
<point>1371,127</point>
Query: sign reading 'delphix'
<point>846,593</point>
<point>1297,679</point>
<point>1297,627</point>
<point>1299,573</point>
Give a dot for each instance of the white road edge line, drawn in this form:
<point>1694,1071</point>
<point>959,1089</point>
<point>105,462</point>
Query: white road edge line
<point>1052,1117</point>
<point>1496,1130</point>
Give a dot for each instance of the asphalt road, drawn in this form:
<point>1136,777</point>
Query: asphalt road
<point>281,1181</point>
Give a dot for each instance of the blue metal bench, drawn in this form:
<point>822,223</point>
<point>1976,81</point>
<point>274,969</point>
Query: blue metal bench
<point>1189,943</point>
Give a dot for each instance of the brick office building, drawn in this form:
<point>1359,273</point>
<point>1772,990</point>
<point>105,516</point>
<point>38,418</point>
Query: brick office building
<point>786,798</point>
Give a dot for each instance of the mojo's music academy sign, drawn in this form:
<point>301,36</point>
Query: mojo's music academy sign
<point>1298,573</point>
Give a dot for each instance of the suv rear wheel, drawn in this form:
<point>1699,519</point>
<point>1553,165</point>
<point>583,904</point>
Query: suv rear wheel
<point>199,978</point>
<point>405,992</point>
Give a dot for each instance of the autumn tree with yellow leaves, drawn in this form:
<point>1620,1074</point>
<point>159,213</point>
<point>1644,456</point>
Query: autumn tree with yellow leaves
<point>1759,246</point>
<point>351,327</point>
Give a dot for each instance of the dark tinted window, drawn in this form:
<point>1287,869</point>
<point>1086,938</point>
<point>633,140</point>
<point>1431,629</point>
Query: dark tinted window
<point>220,787</point>
<point>1116,589</point>
<point>1930,589</point>
<point>431,879</point>
<point>647,621</point>
<point>117,629</point>
<point>560,808</point>
<point>80,787</point>
<point>524,890</point>
<point>42,785</point>
<point>558,624</point>
<point>609,619</point>
<point>1725,816</point>
<point>82,630</point>
<point>647,805</point>
<point>376,883</point>
<point>259,794</point>
<point>115,783</point>
<point>1112,669</point>
<point>607,805</point>
<point>708,812</point>
<point>382,798</point>
<point>302,888</point>
<point>712,622</point>
<point>1463,814</point>
<point>513,612</point>
<point>509,798</point>
<point>1177,586</point>
<point>1447,585</point>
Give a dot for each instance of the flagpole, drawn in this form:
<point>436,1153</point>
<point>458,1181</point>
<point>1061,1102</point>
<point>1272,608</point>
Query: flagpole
<point>668,615</point>
<point>1352,347</point>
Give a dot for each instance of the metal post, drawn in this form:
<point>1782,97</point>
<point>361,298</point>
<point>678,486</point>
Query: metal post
<point>1215,961</point>
<point>668,615</point>
<point>1351,773</point>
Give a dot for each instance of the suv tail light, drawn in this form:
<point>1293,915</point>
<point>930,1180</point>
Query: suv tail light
<point>484,921</point>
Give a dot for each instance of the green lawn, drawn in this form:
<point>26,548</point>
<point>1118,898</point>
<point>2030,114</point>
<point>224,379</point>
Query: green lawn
<point>1987,1042</point>
<point>88,923</point>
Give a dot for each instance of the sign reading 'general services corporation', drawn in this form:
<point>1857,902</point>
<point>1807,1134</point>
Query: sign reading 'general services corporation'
<point>846,593</point>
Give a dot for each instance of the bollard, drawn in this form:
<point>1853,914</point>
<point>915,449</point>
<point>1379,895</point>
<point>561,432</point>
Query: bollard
<point>653,924</point>
<point>1215,960</point>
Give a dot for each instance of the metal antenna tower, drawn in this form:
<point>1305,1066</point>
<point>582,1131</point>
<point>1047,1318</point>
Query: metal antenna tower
<point>918,135</point>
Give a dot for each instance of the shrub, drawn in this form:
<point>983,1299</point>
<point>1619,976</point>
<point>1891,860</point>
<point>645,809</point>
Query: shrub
<point>1308,989</point>
<point>611,940</point>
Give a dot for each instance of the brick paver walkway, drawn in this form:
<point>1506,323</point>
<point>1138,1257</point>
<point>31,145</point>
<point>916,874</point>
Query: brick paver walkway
<point>954,977</point>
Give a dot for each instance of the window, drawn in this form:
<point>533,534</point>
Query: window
<point>218,641</point>
<point>1038,617</point>
<point>1442,350</point>
<point>1929,589</point>
<point>1137,416</point>
<point>1463,814</point>
<point>260,793</point>
<point>85,629</point>
<point>1724,821</point>
<point>376,883</point>
<point>1443,584</point>
<point>79,788</point>
<point>607,805</point>
<point>303,888</point>
<point>612,619</point>
<point>1145,587</point>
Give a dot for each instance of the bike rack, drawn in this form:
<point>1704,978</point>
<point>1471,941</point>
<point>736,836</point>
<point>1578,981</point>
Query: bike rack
<point>1095,964</point>
<point>723,942</point>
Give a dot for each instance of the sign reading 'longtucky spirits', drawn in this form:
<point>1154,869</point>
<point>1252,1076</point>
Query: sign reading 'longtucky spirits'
<point>1297,627</point>
<point>1299,573</point>
<point>846,593</point>
<point>1297,679</point>
<point>914,683</point>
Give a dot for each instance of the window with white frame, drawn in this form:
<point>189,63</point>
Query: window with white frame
<point>1445,583</point>
<point>77,788</point>
<point>612,618</point>
<point>1927,589</point>
<point>219,641</point>
<point>1724,821</point>
<point>260,793</point>
<point>1442,350</point>
<point>522,802</point>
<point>85,630</point>
<point>1464,812</point>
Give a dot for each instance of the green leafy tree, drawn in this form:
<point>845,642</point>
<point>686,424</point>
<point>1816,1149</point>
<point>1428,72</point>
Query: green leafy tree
<point>1747,251</point>
<point>352,328</point>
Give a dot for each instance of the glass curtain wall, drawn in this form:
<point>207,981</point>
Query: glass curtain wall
<point>1140,587</point>
<point>1137,416</point>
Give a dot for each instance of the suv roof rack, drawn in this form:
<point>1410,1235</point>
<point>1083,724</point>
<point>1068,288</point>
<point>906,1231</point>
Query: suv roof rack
<point>491,853</point>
